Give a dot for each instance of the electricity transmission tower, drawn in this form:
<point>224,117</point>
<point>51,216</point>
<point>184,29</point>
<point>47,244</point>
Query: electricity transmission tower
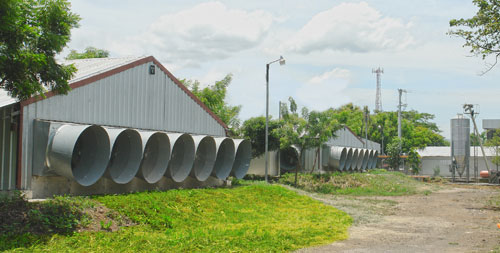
<point>378,98</point>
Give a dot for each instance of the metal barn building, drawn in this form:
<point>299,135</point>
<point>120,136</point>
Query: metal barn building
<point>133,107</point>
<point>337,154</point>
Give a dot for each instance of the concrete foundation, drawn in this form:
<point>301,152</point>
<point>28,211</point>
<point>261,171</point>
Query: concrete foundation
<point>48,186</point>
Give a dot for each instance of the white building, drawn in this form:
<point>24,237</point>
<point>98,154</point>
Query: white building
<point>437,160</point>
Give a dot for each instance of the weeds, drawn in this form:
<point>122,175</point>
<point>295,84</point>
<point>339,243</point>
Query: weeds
<point>376,182</point>
<point>106,225</point>
<point>23,222</point>
<point>494,203</point>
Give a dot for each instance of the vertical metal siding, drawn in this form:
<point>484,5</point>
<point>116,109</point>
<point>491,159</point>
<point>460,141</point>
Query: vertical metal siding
<point>132,98</point>
<point>149,102</point>
<point>8,149</point>
<point>310,156</point>
<point>373,145</point>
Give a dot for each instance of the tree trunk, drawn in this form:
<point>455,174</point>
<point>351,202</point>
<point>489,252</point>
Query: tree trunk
<point>315,159</point>
<point>299,165</point>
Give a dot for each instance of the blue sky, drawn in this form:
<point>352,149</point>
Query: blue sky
<point>330,47</point>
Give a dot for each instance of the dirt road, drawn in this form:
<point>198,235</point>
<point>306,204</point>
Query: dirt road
<point>451,219</point>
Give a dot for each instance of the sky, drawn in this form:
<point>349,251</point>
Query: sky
<point>330,47</point>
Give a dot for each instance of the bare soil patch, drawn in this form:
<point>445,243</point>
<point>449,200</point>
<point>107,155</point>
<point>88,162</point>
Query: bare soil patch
<point>103,218</point>
<point>453,218</point>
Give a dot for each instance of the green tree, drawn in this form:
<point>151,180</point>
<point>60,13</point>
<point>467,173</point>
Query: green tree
<point>494,144</point>
<point>214,97</point>
<point>417,128</point>
<point>477,140</point>
<point>32,33</point>
<point>396,148</point>
<point>351,116</point>
<point>422,137</point>
<point>309,130</point>
<point>481,31</point>
<point>90,52</point>
<point>421,119</point>
<point>394,152</point>
<point>254,129</point>
<point>414,161</point>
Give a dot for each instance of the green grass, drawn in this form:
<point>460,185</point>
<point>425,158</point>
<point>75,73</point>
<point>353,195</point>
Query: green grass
<point>376,182</point>
<point>256,217</point>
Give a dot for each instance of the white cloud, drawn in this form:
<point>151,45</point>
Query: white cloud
<point>352,27</point>
<point>207,31</point>
<point>333,74</point>
<point>210,77</point>
<point>215,74</point>
<point>326,90</point>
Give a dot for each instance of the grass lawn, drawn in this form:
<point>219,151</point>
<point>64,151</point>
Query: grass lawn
<point>254,217</point>
<point>375,182</point>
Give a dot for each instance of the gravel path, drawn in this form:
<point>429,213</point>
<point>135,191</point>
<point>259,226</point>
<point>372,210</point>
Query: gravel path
<point>451,219</point>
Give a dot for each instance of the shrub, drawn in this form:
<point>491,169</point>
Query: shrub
<point>437,171</point>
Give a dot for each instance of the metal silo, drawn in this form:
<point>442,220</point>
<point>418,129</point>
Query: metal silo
<point>460,145</point>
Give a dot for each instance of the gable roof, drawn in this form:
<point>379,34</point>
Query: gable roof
<point>445,151</point>
<point>6,99</point>
<point>355,135</point>
<point>92,70</point>
<point>86,68</point>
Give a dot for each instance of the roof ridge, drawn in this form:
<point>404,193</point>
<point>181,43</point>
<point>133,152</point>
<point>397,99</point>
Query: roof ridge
<point>95,76</point>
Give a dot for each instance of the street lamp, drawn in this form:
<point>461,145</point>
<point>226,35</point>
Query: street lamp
<point>282,62</point>
<point>382,130</point>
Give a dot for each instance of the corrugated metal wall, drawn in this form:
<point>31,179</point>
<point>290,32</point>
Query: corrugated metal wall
<point>491,123</point>
<point>311,158</point>
<point>132,98</point>
<point>429,163</point>
<point>372,145</point>
<point>258,165</point>
<point>8,149</point>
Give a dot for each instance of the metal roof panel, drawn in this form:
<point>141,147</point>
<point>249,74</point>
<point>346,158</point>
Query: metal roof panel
<point>445,151</point>
<point>85,68</point>
<point>6,99</point>
<point>90,67</point>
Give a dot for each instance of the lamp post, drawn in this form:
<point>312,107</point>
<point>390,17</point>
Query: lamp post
<point>282,62</point>
<point>382,133</point>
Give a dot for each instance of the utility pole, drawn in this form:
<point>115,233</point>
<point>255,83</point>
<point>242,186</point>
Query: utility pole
<point>476,169</point>
<point>469,109</point>
<point>400,105</point>
<point>279,150</point>
<point>366,113</point>
<point>378,98</point>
